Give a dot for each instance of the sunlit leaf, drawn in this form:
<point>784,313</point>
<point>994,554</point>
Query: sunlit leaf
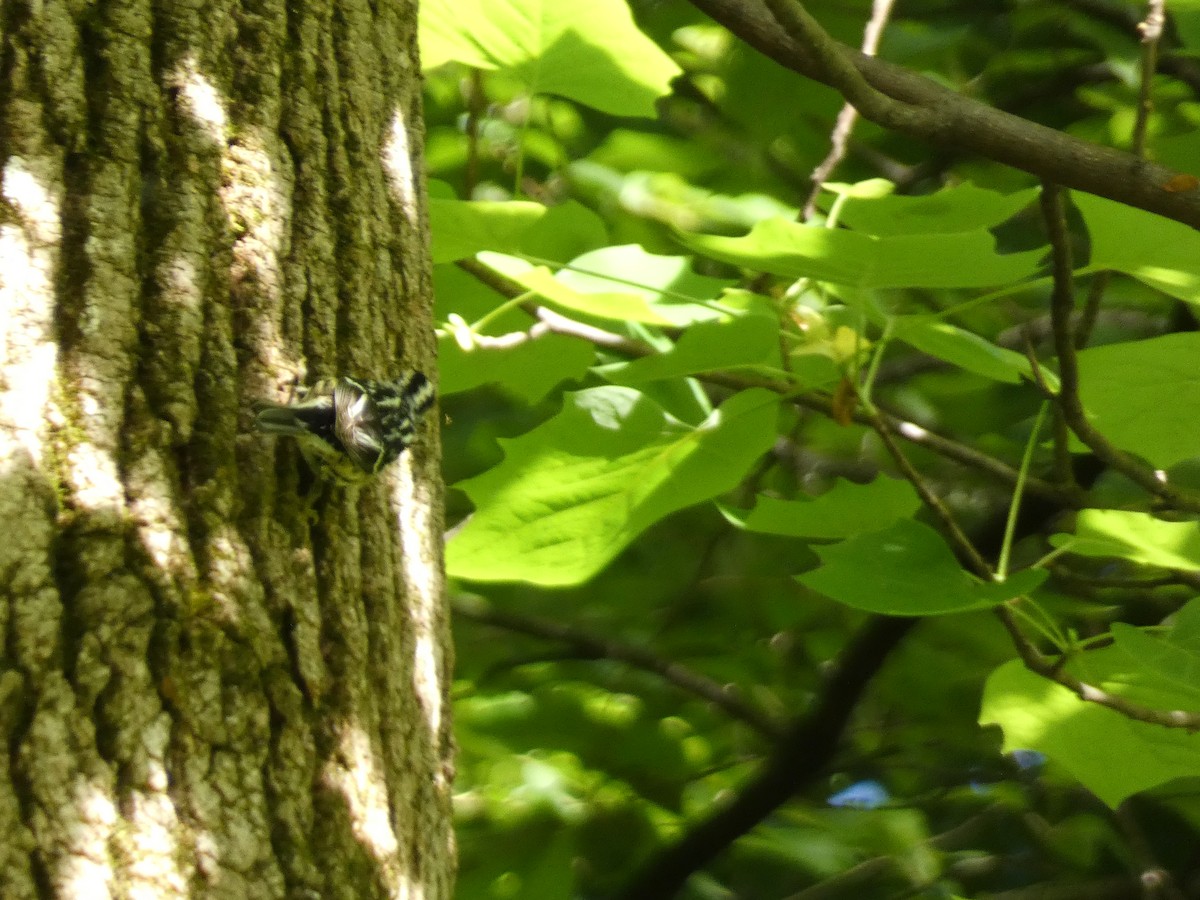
<point>785,247</point>
<point>591,52</point>
<point>462,228</point>
<point>1160,252</point>
<point>966,350</point>
<point>744,341</point>
<point>574,492</point>
<point>616,304</point>
<point>1144,396</point>
<point>667,282</point>
<point>907,570</point>
<point>963,207</point>
<point>844,510</point>
<point>1135,536</point>
<point>1112,755</point>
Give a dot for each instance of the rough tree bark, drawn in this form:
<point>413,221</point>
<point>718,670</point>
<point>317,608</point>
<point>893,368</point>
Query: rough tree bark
<point>204,692</point>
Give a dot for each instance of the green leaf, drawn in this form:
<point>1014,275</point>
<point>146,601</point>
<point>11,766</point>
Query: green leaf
<point>966,350</point>
<point>528,371</point>
<point>1111,755</point>
<point>565,232</point>
<point>1136,536</point>
<point>1160,252</point>
<point>745,341</point>
<point>1144,396</point>
<point>590,52</point>
<point>462,228</point>
<point>843,511</point>
<point>907,570</point>
<point>618,305</point>
<point>953,209</point>
<point>668,283</point>
<point>784,247</point>
<point>574,492</point>
<point>1163,659</point>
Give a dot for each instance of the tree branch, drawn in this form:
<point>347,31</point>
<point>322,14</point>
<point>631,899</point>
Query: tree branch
<point>927,111</point>
<point>1053,669</point>
<point>1062,305</point>
<point>933,503</point>
<point>839,140</point>
<point>910,431</point>
<point>592,646</point>
<point>797,762</point>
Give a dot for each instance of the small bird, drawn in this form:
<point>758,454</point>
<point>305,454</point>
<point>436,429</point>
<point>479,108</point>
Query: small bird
<point>349,429</point>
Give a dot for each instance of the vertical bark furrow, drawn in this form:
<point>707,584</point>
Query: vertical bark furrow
<point>208,687</point>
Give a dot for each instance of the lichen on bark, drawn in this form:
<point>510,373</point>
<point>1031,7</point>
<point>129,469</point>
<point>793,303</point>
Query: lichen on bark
<point>208,692</point>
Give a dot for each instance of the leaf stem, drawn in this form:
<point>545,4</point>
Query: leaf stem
<point>1014,508</point>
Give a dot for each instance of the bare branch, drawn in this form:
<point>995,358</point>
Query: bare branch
<point>946,119</point>
<point>840,138</point>
<point>950,527</point>
<point>1151,29</point>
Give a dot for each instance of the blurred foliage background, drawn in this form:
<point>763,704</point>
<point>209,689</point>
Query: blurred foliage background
<point>577,758</point>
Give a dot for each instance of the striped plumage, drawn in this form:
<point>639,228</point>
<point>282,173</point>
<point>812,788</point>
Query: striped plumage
<point>351,428</point>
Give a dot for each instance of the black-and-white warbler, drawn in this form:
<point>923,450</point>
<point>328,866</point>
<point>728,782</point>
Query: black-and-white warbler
<point>349,428</point>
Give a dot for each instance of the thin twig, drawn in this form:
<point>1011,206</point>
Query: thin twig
<point>1062,304</point>
<point>1054,670</point>
<point>1156,880</point>
<point>842,129</point>
<point>1151,29</point>
<point>950,121</point>
<point>475,110</point>
<point>842,72</point>
<point>944,446</point>
<point>851,882</point>
<point>1064,473</point>
<point>1113,582</point>
<point>591,646</point>
<point>560,324</point>
<point>1086,322</point>
<point>816,401</point>
<point>951,529</point>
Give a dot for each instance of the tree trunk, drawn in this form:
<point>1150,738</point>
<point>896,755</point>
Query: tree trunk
<point>208,689</point>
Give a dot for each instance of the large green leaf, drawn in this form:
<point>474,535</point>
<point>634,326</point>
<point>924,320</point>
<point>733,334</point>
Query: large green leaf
<point>744,341</point>
<point>668,283</point>
<point>1111,754</point>
<point>1135,536</point>
<point>907,570</point>
<point>844,510</point>
<point>1172,658</point>
<point>574,492</point>
<point>966,350</point>
<point>528,370</point>
<point>618,304</point>
<point>1145,395</point>
<point>961,208</point>
<point>1160,252</point>
<point>784,247</point>
<point>462,228</point>
<point>591,52</point>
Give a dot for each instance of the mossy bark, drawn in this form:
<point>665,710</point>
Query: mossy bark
<point>206,688</point>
